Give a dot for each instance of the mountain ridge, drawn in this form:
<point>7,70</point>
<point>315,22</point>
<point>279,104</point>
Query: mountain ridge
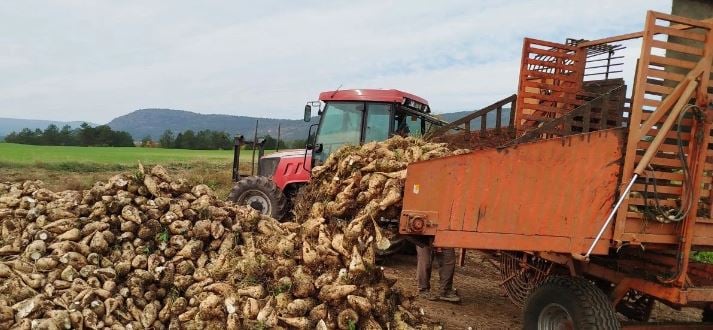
<point>154,121</point>
<point>8,125</point>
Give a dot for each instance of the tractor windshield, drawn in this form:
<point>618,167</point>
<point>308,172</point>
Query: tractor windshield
<point>340,125</point>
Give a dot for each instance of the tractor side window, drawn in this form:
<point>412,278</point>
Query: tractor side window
<point>414,125</point>
<point>377,122</point>
<point>407,125</point>
<point>340,125</point>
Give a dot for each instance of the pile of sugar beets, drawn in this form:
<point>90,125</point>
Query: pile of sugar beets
<point>146,250</point>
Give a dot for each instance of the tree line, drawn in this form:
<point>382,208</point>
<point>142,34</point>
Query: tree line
<point>209,139</point>
<point>85,135</point>
<point>104,136</point>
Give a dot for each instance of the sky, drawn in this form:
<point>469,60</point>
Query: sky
<point>96,60</point>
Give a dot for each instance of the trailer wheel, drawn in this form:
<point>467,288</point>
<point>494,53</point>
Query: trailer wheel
<point>261,194</point>
<point>708,314</point>
<point>569,303</point>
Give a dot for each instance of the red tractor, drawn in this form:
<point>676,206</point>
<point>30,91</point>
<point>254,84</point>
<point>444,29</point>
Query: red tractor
<point>351,117</point>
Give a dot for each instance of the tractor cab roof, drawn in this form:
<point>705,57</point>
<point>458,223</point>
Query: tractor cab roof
<point>373,95</point>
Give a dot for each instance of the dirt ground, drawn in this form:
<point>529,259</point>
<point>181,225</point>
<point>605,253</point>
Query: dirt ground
<point>485,305</point>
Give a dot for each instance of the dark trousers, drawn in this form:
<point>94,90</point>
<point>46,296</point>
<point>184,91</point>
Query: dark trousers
<point>446,259</point>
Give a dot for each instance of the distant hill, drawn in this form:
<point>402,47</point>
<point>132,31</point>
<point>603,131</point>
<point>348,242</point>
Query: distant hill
<point>8,125</point>
<point>154,122</point>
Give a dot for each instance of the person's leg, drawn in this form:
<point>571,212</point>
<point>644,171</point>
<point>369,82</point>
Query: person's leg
<point>423,267</point>
<point>446,270</point>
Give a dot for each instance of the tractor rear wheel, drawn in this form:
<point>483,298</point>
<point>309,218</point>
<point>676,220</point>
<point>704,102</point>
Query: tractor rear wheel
<point>569,303</point>
<point>261,194</point>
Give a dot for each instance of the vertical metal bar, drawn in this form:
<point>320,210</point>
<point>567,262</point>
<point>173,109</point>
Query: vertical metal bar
<point>252,163</point>
<point>587,117</point>
<point>237,144</point>
<point>511,120</point>
<point>277,147</point>
<point>498,119</point>
<point>604,110</point>
<point>483,124</point>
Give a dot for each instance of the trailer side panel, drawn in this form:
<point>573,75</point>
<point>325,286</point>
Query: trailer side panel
<point>551,195</point>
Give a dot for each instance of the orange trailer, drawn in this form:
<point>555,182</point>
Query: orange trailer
<point>595,207</point>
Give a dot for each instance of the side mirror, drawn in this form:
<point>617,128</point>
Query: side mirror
<point>308,113</point>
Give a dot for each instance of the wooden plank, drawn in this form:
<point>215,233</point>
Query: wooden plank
<point>677,47</point>
<point>498,118</point>
<point>667,75</point>
<point>672,61</point>
<point>541,85</point>
<point>663,202</point>
<point>635,35</point>
<point>608,40</point>
<point>669,162</point>
<point>661,189</point>
<point>537,118</point>
<point>691,22</point>
<point>559,98</point>
<point>659,175</point>
<point>544,108</point>
<point>692,35</point>
<point>651,103</point>
<point>663,147</point>
<point>664,90</point>
<point>550,44</point>
<point>553,65</point>
<point>529,74</point>
<point>545,52</point>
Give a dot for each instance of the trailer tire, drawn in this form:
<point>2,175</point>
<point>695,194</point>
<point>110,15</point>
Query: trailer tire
<point>261,194</point>
<point>569,301</point>
<point>707,315</point>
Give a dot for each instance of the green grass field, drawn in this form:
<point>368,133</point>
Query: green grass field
<point>85,159</point>
<point>79,167</point>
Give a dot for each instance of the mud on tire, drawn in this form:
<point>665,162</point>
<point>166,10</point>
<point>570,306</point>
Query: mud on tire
<point>261,194</point>
<point>568,300</point>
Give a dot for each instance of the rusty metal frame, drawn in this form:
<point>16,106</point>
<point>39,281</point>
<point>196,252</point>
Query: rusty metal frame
<point>482,114</point>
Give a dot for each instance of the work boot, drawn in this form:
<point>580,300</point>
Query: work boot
<point>427,295</point>
<point>449,296</point>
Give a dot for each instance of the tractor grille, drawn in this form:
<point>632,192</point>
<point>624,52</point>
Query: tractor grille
<point>268,166</point>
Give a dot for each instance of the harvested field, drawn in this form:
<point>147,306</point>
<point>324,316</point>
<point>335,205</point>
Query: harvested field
<point>485,305</point>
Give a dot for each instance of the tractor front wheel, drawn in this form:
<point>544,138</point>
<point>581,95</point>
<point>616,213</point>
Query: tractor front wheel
<point>261,194</point>
<point>569,303</point>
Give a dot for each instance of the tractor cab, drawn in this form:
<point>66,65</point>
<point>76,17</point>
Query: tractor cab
<point>359,116</point>
<point>346,117</point>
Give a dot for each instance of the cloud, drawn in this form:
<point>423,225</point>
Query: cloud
<point>95,60</point>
